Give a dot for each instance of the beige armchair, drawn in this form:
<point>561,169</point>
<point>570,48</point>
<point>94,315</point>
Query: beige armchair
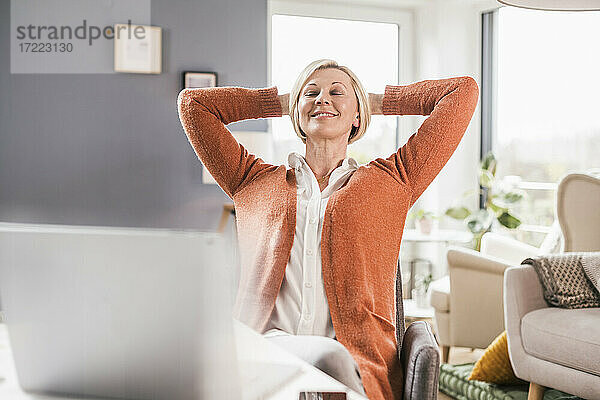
<point>471,314</point>
<point>550,346</point>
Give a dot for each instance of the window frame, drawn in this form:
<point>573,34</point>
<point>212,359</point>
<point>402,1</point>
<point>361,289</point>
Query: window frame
<point>489,86</point>
<point>402,18</point>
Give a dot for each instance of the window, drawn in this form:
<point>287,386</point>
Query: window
<point>369,45</point>
<point>543,104</point>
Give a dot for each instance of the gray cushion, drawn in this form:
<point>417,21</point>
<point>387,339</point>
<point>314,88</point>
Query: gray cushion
<point>567,337</point>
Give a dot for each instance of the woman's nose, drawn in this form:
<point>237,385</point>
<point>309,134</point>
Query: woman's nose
<point>321,98</point>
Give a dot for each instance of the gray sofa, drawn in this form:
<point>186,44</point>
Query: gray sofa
<point>550,346</point>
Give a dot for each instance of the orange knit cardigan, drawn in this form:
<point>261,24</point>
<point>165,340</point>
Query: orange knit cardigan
<point>363,222</point>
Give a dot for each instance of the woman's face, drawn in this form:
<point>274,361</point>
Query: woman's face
<point>329,91</point>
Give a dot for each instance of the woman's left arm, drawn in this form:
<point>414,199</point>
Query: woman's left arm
<point>450,104</point>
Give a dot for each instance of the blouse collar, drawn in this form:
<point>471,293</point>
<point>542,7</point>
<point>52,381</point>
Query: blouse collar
<point>297,161</point>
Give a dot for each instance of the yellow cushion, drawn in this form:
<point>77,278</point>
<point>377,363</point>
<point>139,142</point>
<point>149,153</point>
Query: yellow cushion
<point>494,365</point>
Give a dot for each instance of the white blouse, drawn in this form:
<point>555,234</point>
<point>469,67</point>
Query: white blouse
<point>301,307</point>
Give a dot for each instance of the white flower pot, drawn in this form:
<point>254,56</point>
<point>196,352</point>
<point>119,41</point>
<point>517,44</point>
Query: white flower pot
<point>424,225</point>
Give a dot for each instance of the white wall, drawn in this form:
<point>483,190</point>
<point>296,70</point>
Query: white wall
<point>448,43</point>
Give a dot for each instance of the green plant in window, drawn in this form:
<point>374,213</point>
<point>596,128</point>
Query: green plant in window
<point>500,196</point>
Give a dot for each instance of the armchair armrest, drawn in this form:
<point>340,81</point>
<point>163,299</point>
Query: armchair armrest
<point>523,293</point>
<point>420,359</point>
<point>476,308</point>
<point>507,248</point>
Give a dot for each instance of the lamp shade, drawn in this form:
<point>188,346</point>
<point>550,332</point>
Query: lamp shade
<point>555,5</point>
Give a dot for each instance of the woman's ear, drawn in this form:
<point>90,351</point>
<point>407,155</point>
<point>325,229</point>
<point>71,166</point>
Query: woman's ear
<point>356,122</point>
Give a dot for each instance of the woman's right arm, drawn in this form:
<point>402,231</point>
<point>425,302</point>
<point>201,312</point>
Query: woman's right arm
<point>204,112</point>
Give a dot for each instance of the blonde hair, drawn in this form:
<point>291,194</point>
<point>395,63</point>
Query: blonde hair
<point>364,109</point>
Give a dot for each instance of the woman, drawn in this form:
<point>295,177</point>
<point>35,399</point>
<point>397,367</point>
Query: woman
<point>319,241</point>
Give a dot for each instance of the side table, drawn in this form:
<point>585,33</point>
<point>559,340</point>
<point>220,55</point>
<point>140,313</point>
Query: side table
<point>445,236</point>
<point>412,313</point>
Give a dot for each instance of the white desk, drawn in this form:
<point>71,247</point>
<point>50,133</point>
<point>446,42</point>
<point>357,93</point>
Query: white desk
<point>256,348</point>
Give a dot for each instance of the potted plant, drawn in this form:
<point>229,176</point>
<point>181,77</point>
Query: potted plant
<point>424,220</point>
<point>499,194</point>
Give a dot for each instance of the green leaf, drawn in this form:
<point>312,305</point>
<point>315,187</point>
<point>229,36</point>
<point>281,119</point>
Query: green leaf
<point>513,197</point>
<point>470,192</point>
<point>474,226</point>
<point>495,208</point>
<point>485,178</point>
<point>420,214</point>
<point>489,163</point>
<point>458,212</point>
<point>509,221</point>
<point>479,221</point>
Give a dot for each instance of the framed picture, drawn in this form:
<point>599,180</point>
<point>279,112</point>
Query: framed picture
<point>197,79</point>
<point>138,48</point>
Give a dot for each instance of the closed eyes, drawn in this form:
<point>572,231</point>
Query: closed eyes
<point>313,93</point>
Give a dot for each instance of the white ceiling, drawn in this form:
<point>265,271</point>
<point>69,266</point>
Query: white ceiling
<point>403,4</point>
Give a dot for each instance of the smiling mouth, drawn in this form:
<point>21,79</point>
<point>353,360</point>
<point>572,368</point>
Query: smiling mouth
<point>323,115</point>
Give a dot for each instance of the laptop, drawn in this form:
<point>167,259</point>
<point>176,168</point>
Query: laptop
<point>125,313</point>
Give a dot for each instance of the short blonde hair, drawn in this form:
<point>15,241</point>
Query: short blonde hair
<point>364,108</point>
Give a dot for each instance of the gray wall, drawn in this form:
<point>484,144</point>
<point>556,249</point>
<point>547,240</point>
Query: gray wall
<point>108,149</point>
